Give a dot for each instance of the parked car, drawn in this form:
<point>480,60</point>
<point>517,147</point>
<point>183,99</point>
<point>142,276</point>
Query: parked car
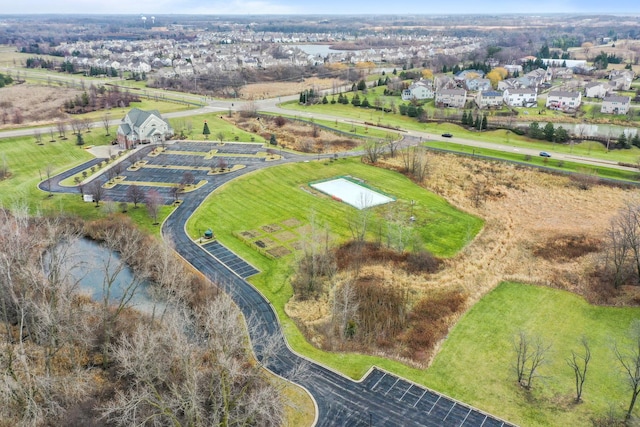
<point>447,135</point>
<point>545,154</point>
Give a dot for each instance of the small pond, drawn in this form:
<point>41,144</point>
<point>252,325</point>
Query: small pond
<point>87,262</point>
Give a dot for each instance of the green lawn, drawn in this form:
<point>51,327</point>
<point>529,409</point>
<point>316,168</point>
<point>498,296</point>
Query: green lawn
<point>192,127</point>
<point>474,364</point>
<point>276,194</point>
<point>28,163</point>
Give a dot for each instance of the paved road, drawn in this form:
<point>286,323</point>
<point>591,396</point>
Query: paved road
<point>379,399</point>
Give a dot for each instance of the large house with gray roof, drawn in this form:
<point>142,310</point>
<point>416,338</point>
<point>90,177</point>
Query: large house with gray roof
<point>143,127</point>
<point>615,105</point>
<point>563,100</point>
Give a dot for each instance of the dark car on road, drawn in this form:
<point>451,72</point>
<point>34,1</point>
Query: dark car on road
<point>447,135</point>
<point>545,154</point>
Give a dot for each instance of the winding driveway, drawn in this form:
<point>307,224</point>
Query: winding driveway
<point>379,399</point>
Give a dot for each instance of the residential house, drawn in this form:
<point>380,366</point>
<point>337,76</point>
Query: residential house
<point>478,84</point>
<point>563,100</point>
<point>422,89</point>
<point>595,90</point>
<point>520,98</point>
<point>615,105</point>
<point>488,99</point>
<point>142,127</point>
<point>561,73</point>
<point>468,74</point>
<point>538,77</point>
<point>455,98</point>
<point>621,79</point>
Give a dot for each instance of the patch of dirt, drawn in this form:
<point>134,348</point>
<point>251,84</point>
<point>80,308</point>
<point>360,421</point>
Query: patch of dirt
<point>279,252</point>
<point>296,135</point>
<point>33,104</point>
<point>567,248</point>
<point>274,89</point>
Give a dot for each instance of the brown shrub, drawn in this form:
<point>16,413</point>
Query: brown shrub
<point>429,319</point>
<point>280,121</point>
<point>382,310</point>
<point>567,247</point>
<point>422,262</point>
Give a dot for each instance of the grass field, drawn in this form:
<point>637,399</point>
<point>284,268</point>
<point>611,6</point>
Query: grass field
<point>28,163</point>
<point>192,127</point>
<point>475,363</point>
<point>240,205</point>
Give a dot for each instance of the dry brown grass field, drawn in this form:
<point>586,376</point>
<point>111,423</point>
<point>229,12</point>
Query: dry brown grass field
<point>37,104</point>
<point>275,89</point>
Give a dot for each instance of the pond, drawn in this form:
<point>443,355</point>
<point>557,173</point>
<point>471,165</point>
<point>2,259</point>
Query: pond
<point>93,266</point>
<point>587,129</point>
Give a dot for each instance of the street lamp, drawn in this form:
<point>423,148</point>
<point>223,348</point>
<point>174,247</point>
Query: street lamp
<point>412,218</point>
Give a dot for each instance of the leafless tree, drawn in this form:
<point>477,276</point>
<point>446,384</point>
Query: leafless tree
<point>187,178</point>
<point>220,136</point>
<point>392,144</point>
<point>96,191</point>
<point>106,121</point>
<point>344,310</point>
<point>579,363</point>
<point>629,357</point>
<point>49,171</point>
<point>196,378</point>
<point>76,126</point>
<point>62,129</point>
<point>617,251</point>
<point>530,354</point>
<point>51,135</point>
<point>416,163</point>
<point>359,220</point>
<point>153,200</point>
<point>373,150</point>
<point>135,195</point>
<point>38,136</point>
<point>85,124</point>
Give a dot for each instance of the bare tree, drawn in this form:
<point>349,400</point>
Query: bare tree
<point>135,195</point>
<point>220,136</point>
<point>416,162</point>
<point>617,250</point>
<point>373,150</point>
<point>76,126</point>
<point>38,136</point>
<point>96,191</point>
<point>579,363</point>
<point>196,378</point>
<point>629,358</point>
<point>153,200</point>
<point>62,129</point>
<point>49,171</point>
<point>530,354</point>
<point>106,121</point>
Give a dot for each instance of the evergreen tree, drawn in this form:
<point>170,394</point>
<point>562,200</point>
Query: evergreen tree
<point>464,117</point>
<point>79,139</point>
<point>561,135</point>
<point>622,141</point>
<point>412,111</point>
<point>205,131</point>
<point>477,123</point>
<point>484,122</point>
<point>444,69</point>
<point>549,131</point>
<point>273,140</point>
<point>362,85</point>
<point>355,101</point>
<point>333,100</point>
<point>324,100</point>
<point>535,131</point>
<point>403,109</point>
<point>636,140</point>
<point>365,103</point>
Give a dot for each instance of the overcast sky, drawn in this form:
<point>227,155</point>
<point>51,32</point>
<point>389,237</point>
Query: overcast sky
<point>262,7</point>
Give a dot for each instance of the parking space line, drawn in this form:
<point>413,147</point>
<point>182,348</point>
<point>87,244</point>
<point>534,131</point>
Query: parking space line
<point>434,405</point>
<point>406,391</point>
<point>394,384</point>
<point>376,385</point>
<point>465,418</point>
<point>454,405</point>
<point>420,398</point>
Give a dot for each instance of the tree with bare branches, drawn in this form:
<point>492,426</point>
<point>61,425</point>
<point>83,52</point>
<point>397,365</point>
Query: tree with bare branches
<point>153,200</point>
<point>628,355</point>
<point>530,354</point>
<point>579,363</point>
<point>135,195</point>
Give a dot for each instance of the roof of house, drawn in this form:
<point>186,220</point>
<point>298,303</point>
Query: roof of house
<point>564,94</point>
<point>613,98</point>
<point>490,93</point>
<point>452,92</point>
<point>593,84</point>
<point>137,116</point>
